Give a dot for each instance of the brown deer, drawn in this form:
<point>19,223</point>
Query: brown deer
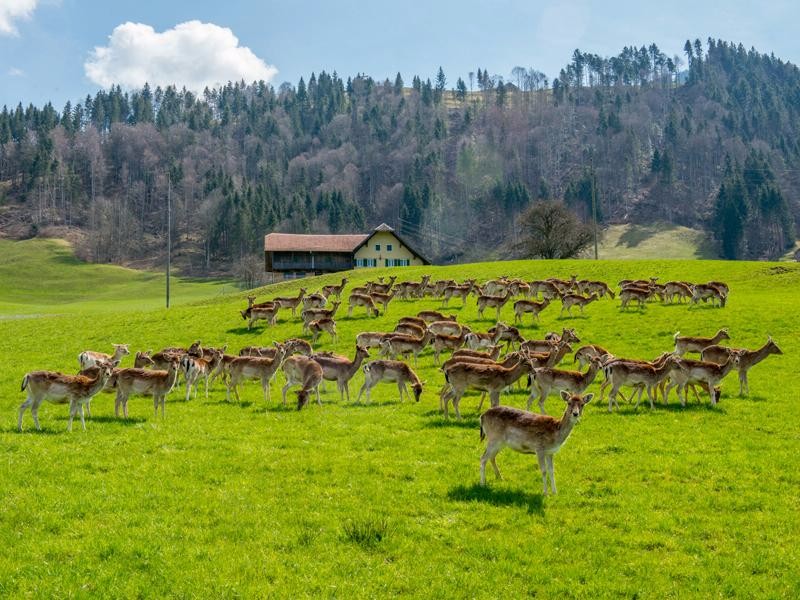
<point>341,369</point>
<point>89,358</point>
<point>58,388</point>
<point>314,301</point>
<point>529,433</point>
<point>546,289</point>
<point>488,378</point>
<point>747,359</point>
<point>476,340</point>
<point>390,371</point>
<point>243,368</point>
<point>196,369</point>
<point>320,325</point>
<point>410,329</point>
<point>314,314</point>
<point>143,360</point>
<point>641,375</point>
<point>442,341</point>
<point>458,291</point>
<point>382,288</point>
<point>570,300</point>
<point>362,300</point>
<point>634,294</point>
<point>382,298</point>
<point>497,302</point>
<point>414,320</point>
<point>370,339</point>
<point>684,344</point>
<point>677,289</point>
<point>522,307</point>
<point>687,371</point>
<point>268,314</point>
<point>305,372</point>
<point>547,379</point>
<point>396,344</point>
<point>334,290</point>
<point>144,382</point>
<point>509,335</point>
<point>446,328</point>
<point>429,316</point>
<point>291,302</point>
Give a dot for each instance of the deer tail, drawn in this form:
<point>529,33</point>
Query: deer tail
<point>675,337</point>
<point>24,383</point>
<point>483,433</point>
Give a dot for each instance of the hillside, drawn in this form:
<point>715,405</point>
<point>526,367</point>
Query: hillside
<point>356,500</point>
<point>451,168</point>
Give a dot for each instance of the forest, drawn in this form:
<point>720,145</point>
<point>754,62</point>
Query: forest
<point>709,140</point>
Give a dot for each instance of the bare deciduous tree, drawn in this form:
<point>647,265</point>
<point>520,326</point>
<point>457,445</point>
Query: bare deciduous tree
<point>551,230</point>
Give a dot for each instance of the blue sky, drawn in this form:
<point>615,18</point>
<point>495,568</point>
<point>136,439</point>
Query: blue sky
<point>45,44</point>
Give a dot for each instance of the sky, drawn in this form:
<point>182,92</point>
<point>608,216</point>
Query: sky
<point>59,50</point>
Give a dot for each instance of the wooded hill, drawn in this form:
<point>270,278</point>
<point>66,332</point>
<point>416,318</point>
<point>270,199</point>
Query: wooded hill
<point>715,146</point>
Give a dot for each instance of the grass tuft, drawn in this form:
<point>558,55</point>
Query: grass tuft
<point>367,531</point>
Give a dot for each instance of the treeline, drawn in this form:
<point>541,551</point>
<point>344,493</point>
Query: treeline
<point>631,138</point>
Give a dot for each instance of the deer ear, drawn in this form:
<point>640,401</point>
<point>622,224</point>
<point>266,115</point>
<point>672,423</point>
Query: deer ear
<point>588,398</point>
<point>565,395</point>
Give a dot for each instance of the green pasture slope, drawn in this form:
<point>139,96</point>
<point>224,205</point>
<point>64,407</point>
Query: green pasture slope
<point>352,500</point>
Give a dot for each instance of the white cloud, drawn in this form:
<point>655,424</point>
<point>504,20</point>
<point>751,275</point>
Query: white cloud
<point>13,10</point>
<point>15,72</point>
<point>192,54</point>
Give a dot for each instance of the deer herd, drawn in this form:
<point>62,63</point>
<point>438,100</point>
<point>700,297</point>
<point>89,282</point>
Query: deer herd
<point>476,360</point>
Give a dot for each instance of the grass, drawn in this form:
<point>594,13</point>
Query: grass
<point>664,241</point>
<point>347,500</point>
<point>41,276</point>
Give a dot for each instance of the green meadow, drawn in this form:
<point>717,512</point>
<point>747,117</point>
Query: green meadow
<point>226,499</point>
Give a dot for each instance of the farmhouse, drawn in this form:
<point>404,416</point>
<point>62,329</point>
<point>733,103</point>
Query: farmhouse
<point>290,256</point>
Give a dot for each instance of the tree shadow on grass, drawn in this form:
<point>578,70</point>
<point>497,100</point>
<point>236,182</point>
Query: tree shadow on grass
<point>534,503</point>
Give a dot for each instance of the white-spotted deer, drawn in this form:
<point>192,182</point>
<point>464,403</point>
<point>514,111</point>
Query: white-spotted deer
<point>529,433</point>
<point>261,368</point>
<point>362,300</point>
<point>305,372</point>
<point>341,369</point>
<point>547,379</point>
<point>89,358</point>
<point>334,290</point>
<point>747,359</point>
<point>390,371</point>
<point>684,344</point>
<point>138,381</point>
<point>484,377</point>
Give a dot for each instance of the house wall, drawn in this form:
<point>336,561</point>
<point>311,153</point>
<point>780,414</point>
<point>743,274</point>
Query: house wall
<point>383,238</point>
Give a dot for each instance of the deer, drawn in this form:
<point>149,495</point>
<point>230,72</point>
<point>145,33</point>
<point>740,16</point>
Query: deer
<point>143,360</point>
<point>546,289</point>
<point>492,352</point>
<point>315,301</point>
<point>443,341</point>
<point>488,378</point>
<point>390,371</point>
<point>429,316</point>
<point>445,394</point>
<point>242,368</point>
<point>381,288</point>
<point>584,354</point>
<point>446,328</point>
<point>458,291</point>
<point>144,382</point>
<point>497,302</point>
<point>382,298</point>
<point>684,344</point>
<point>370,339</point>
<point>747,359</point>
<point>413,288</point>
<point>197,368</point>
<point>637,374</point>
<point>687,371</point>
<point>476,340</point>
<point>634,294</point>
<point>291,302</point>
<point>508,334</point>
<point>570,300</point>
<point>320,325</point>
<point>598,287</point>
<point>530,433</point>
<point>557,350</point>
<point>546,379</point>
<point>58,388</point>
<point>705,292</point>
<point>522,307</point>
<point>89,358</point>
<point>334,290</point>
<point>721,286</point>
<point>292,345</point>
<point>410,329</point>
<point>267,313</point>
<point>362,300</point>
<point>305,372</point>
<point>341,369</point>
<point>678,289</point>
<point>251,304</point>
<point>313,314</point>
<point>396,344</point>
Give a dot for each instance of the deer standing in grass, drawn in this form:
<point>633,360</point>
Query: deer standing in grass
<point>747,359</point>
<point>382,298</point>
<point>334,290</point>
<point>496,302</point>
<point>487,378</point>
<point>390,371</point>
<point>522,307</point>
<point>640,375</point>
<point>58,388</point>
<point>243,368</point>
<point>570,300</point>
<point>396,344</point>
<point>686,372</point>
<point>362,300</point>
<point>305,372</point>
<point>684,344</point>
<point>314,314</point>
<point>341,369</point>
<point>529,433</point>
<point>144,382</point>
<point>317,327</point>
<point>547,379</point>
<point>292,302</point>
<point>196,369</point>
<point>89,358</point>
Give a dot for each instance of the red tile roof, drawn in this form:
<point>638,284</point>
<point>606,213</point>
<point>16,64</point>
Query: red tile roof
<point>288,242</point>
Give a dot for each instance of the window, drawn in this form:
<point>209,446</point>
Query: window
<point>377,247</point>
<point>366,262</point>
<point>388,247</point>
<point>398,262</point>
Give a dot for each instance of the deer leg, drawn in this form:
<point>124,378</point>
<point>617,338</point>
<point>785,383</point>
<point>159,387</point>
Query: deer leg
<point>456,401</point>
<point>552,473</point>
<point>283,390</point>
<point>88,408</point>
<point>543,468</point>
<point>361,391</point>
<point>401,387</point>
<point>492,448</point>
<point>22,408</point>
<point>319,400</point>
<point>543,393</point>
<point>744,389</point>
<point>83,422</point>
<point>494,398</point>
<point>480,404</point>
<point>612,398</point>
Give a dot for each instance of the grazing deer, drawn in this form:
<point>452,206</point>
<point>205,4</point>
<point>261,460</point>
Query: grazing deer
<point>243,368</point>
<point>89,358</point>
<point>305,372</point>
<point>144,382</point>
<point>334,290</point>
<point>362,300</point>
<point>522,307</point>
<point>320,325</point>
<point>677,289</point>
<point>570,300</point>
<point>291,302</point>
<point>687,371</point>
<point>198,368</point>
<point>488,378</point>
<point>410,329</point>
<point>341,369</point>
<point>382,299</point>
<point>475,340</point>
<point>370,339</point>
<point>267,313</point>
<point>584,354</point>
<point>314,314</point>
<point>597,287</point>
<point>497,302</point>
<point>390,371</point>
<point>547,379</point>
<point>634,294</point>
<point>429,316</point>
<point>314,301</point>
<point>747,359</point>
<point>684,344</point>
<point>58,388</point>
<point>636,374</point>
<point>706,292</point>
<point>721,286</point>
<point>446,328</point>
<point>395,344</point>
<point>529,433</point>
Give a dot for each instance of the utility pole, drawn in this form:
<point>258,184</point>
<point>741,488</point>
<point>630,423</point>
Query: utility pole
<point>169,230</point>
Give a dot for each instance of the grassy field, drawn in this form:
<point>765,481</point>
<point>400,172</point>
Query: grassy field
<point>40,276</point>
<point>665,241</point>
<point>351,500</point>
